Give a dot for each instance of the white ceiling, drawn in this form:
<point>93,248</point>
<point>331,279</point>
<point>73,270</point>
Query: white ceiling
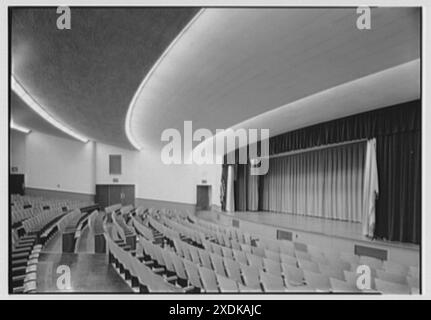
<point>233,65</point>
<point>389,87</point>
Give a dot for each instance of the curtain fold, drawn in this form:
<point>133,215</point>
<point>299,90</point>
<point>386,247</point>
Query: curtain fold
<point>324,183</point>
<point>398,209</point>
<point>371,190</point>
<point>241,187</point>
<point>223,187</point>
<point>230,193</point>
<point>252,191</point>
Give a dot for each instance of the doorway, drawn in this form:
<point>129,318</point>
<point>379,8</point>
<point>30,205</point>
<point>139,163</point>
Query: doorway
<point>203,197</point>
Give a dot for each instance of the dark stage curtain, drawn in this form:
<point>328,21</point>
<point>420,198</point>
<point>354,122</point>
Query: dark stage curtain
<point>223,187</point>
<point>398,209</point>
<point>397,130</point>
<point>241,187</point>
<point>246,189</point>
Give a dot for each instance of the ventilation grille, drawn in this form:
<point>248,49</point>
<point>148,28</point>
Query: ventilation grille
<point>114,164</point>
<point>284,235</point>
<point>371,252</point>
<point>235,223</point>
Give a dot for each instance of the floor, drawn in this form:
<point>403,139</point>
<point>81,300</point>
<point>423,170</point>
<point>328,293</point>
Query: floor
<point>89,273</point>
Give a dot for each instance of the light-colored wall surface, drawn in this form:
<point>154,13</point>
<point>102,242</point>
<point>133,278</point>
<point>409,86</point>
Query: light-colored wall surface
<point>64,165</point>
<point>59,164</point>
<point>152,178</point>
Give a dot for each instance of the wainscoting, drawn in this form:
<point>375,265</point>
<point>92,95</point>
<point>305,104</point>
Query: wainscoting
<point>57,194</point>
<point>162,204</point>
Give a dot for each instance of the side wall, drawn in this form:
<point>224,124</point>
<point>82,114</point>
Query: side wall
<point>57,167</point>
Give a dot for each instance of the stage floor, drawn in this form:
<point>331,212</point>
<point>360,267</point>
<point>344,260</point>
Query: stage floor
<point>328,227</point>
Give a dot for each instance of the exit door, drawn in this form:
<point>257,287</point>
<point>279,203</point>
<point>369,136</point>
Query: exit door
<point>203,197</point>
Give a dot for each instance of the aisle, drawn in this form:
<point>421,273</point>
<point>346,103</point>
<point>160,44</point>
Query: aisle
<point>89,273</point>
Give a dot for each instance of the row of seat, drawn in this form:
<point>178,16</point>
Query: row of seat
<point>70,220</point>
<point>25,207</point>
<point>26,248</point>
<point>312,270</point>
<point>135,270</point>
<point>24,259</point>
<point>36,223</point>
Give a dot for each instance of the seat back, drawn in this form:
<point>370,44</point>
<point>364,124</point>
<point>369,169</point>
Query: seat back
<point>258,251</point>
<point>208,279</point>
<point>302,255</point>
<point>317,281</point>
<point>194,254</point>
<point>226,284</point>
<point>254,260</point>
<point>293,275</point>
<point>227,252</point>
<point>217,263</point>
<point>413,282</point>
<point>272,267</point>
<point>205,258</point>
<point>168,260</point>
<point>387,287</point>
<point>332,271</point>
<point>250,275</point>
<point>240,256</point>
<point>192,274</point>
<point>308,265</point>
<point>179,266</point>
<point>233,269</point>
<point>272,255</point>
<point>391,277</point>
<point>287,259</point>
<point>394,267</point>
<point>271,282</point>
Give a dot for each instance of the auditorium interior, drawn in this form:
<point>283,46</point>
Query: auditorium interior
<point>117,184</point>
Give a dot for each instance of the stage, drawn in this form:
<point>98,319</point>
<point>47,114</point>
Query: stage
<point>337,234</point>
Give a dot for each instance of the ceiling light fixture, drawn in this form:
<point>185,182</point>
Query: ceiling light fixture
<point>17,127</point>
<point>25,96</point>
<point>128,123</point>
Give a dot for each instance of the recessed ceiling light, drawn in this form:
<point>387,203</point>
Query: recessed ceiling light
<point>25,96</point>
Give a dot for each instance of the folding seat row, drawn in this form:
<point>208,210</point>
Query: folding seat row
<point>25,256</point>
<point>144,231</point>
<point>133,268</point>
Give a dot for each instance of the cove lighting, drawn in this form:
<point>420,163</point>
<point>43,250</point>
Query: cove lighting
<point>25,96</point>
<point>132,104</point>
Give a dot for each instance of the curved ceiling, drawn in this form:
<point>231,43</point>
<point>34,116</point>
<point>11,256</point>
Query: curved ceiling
<point>237,64</point>
<point>385,88</point>
<point>232,67</point>
<point>86,77</point>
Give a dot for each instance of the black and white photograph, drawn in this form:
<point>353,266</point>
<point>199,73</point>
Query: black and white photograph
<point>197,150</point>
